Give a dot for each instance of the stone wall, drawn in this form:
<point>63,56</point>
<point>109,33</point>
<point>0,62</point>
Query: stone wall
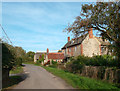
<point>91,46</point>
<point>109,74</point>
<point>61,66</point>
<point>97,72</point>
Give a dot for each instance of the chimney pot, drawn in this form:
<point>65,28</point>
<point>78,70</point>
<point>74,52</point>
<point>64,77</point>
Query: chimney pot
<point>90,33</point>
<point>47,50</point>
<point>68,38</point>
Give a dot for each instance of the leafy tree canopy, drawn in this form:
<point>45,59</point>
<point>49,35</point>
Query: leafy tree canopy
<point>30,54</point>
<point>20,52</point>
<point>103,17</point>
<point>11,56</point>
<point>8,56</point>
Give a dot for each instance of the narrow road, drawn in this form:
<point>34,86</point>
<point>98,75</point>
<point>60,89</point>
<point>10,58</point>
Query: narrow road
<point>39,78</point>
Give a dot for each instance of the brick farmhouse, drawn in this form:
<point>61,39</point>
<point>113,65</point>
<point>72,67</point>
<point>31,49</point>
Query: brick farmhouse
<point>49,57</point>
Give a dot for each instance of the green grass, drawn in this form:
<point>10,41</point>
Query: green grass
<point>16,70</point>
<point>29,62</point>
<point>37,64</point>
<point>80,82</point>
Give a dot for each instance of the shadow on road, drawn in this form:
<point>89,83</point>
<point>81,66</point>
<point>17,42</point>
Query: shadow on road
<point>13,80</point>
<point>23,65</point>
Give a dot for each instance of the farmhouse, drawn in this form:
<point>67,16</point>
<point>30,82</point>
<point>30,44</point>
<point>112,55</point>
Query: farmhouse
<point>88,45</point>
<point>58,57</point>
<point>49,56</point>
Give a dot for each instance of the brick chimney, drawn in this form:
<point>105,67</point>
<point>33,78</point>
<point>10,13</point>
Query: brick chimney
<point>47,50</point>
<point>68,38</point>
<point>90,33</point>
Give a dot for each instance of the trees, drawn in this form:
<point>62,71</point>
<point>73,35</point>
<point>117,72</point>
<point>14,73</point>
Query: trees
<point>20,55</point>
<point>30,56</point>
<point>8,61</point>
<point>103,17</point>
<point>8,56</point>
<point>11,57</point>
<point>59,50</point>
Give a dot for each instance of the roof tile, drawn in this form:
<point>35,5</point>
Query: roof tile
<point>55,56</point>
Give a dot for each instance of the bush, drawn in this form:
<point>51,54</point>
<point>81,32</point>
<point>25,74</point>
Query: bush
<point>77,63</point>
<point>104,60</point>
<point>54,64</point>
<point>38,61</point>
<point>18,61</point>
<point>8,56</point>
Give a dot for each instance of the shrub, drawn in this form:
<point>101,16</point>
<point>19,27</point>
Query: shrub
<point>104,60</point>
<point>38,61</point>
<point>8,56</point>
<point>54,64</point>
<point>98,61</point>
<point>77,63</point>
<point>18,61</point>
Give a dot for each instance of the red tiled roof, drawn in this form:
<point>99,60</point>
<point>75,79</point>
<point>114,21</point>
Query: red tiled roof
<point>55,56</point>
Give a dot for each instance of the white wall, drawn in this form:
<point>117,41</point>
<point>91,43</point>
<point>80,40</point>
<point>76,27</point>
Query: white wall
<point>91,46</point>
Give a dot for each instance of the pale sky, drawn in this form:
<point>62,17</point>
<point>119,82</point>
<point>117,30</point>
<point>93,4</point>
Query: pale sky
<point>37,26</point>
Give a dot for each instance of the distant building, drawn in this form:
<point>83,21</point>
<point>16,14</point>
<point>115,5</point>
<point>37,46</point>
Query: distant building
<point>38,55</point>
<point>88,45</point>
<point>58,57</point>
<point>49,57</point>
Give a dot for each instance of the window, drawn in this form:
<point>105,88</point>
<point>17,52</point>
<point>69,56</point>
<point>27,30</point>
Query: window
<point>102,49</point>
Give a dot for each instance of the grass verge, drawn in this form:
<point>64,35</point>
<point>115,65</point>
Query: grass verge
<point>80,82</point>
<point>37,64</point>
<point>29,62</point>
<point>16,70</point>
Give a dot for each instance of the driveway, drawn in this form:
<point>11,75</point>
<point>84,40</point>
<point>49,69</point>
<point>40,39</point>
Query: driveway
<point>39,78</point>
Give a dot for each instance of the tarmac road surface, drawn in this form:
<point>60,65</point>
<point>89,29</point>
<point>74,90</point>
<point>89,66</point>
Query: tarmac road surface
<point>38,78</point>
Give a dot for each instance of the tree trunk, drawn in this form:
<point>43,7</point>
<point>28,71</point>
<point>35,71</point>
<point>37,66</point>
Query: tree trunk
<point>5,77</point>
<point>118,52</point>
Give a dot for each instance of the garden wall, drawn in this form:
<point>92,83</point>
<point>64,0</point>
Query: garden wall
<point>97,72</point>
<point>109,74</point>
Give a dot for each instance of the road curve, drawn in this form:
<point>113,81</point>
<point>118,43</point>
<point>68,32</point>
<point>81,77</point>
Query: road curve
<point>39,78</point>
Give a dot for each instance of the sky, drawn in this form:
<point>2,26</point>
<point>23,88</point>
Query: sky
<point>37,26</point>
